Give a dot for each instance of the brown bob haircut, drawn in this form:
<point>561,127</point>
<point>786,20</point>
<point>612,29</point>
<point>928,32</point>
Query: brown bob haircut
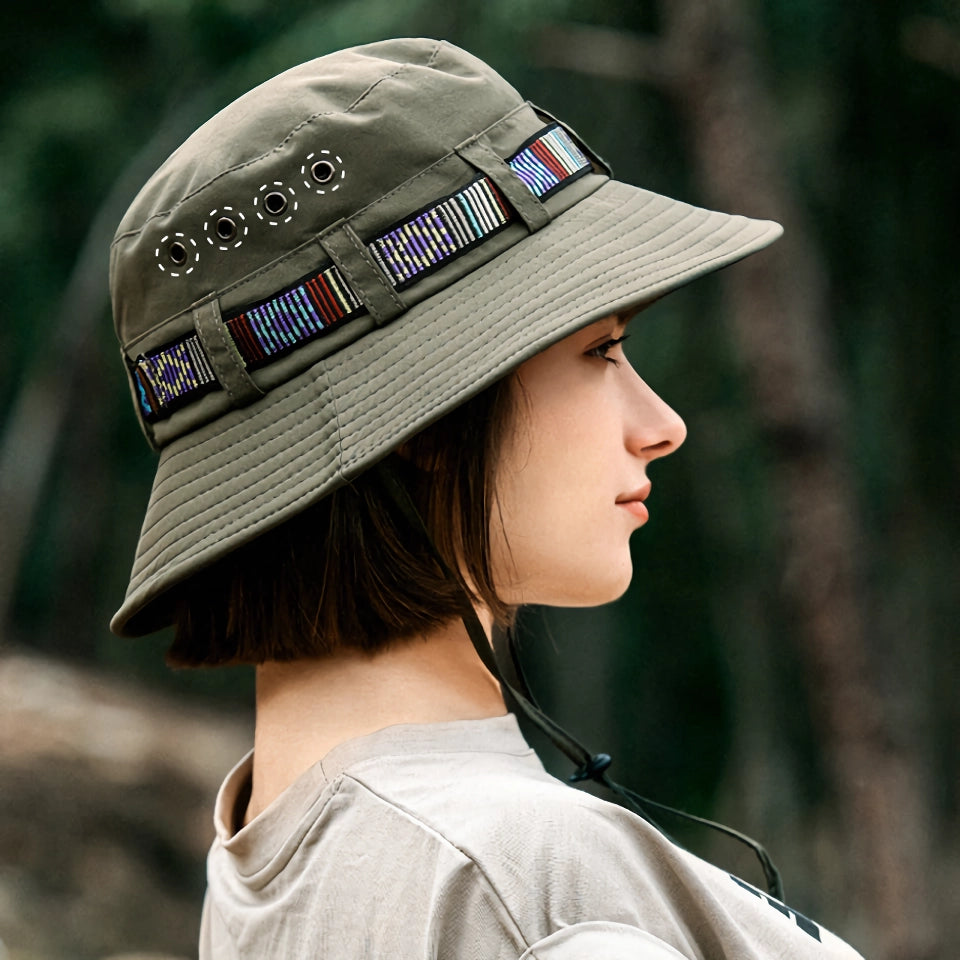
<point>349,571</point>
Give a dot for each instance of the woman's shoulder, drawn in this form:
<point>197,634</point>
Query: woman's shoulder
<point>554,857</point>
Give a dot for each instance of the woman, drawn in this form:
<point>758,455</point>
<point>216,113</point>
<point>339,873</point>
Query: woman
<point>373,316</point>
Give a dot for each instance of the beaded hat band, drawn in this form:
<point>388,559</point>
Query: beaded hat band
<point>344,255</point>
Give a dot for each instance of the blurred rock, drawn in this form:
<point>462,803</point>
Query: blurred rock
<point>106,793</point>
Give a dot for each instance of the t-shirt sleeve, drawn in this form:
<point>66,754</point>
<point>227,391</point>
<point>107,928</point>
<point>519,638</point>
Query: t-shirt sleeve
<point>601,940</point>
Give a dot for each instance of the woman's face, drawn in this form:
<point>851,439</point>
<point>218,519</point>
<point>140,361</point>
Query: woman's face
<point>572,475</point>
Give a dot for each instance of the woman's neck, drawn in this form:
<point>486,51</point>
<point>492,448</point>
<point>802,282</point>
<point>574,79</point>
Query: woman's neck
<point>307,707</point>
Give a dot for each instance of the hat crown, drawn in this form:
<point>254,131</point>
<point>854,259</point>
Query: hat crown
<point>244,189</point>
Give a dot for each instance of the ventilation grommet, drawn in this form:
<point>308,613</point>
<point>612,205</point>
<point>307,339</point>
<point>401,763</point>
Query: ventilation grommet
<point>322,171</point>
<point>176,254</point>
<point>277,205</point>
<point>225,228</point>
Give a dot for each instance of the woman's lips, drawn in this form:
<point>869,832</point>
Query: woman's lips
<point>637,507</point>
<point>633,502</point>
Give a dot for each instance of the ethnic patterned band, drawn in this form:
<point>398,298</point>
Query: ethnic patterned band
<point>437,235</point>
<point>168,375</point>
<point>293,316</point>
<point>180,372</point>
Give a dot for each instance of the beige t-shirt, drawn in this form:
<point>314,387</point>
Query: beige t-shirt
<point>451,841</point>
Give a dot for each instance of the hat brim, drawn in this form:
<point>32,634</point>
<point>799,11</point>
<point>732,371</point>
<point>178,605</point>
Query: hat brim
<point>231,480</point>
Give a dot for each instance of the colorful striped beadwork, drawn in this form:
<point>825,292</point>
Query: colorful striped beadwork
<point>441,232</point>
<point>293,316</point>
<point>551,160</point>
<point>172,372</point>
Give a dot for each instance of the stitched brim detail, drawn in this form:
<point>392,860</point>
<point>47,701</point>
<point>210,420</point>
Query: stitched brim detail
<point>231,480</point>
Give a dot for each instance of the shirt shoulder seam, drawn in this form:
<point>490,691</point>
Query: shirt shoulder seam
<point>445,841</point>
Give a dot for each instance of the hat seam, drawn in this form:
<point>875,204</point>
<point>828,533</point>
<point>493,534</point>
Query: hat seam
<point>267,428</point>
<point>127,234</point>
<point>219,533</point>
<point>436,52</point>
<point>336,419</point>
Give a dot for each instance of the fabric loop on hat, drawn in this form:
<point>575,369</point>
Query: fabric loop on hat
<point>361,272</point>
<point>481,155</point>
<point>222,354</point>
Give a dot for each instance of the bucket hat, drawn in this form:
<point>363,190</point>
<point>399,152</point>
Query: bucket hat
<point>342,256</point>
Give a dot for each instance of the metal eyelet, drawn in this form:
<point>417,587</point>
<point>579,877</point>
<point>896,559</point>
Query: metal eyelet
<point>275,203</point>
<point>226,229</point>
<point>322,171</point>
<point>276,206</point>
<point>177,253</point>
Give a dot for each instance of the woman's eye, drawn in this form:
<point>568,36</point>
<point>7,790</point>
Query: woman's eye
<point>603,350</point>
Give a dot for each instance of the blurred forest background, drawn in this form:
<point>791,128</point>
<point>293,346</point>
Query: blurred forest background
<point>787,657</point>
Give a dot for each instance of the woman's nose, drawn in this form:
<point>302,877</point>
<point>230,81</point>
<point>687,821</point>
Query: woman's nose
<point>653,428</point>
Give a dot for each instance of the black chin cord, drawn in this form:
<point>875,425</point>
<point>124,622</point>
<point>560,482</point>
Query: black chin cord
<point>589,766</point>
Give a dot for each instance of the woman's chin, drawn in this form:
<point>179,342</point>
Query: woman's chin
<point>582,591</point>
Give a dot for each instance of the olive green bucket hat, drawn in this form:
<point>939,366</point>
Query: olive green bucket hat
<point>342,256</point>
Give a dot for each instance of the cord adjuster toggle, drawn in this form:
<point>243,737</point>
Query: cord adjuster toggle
<point>593,768</point>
